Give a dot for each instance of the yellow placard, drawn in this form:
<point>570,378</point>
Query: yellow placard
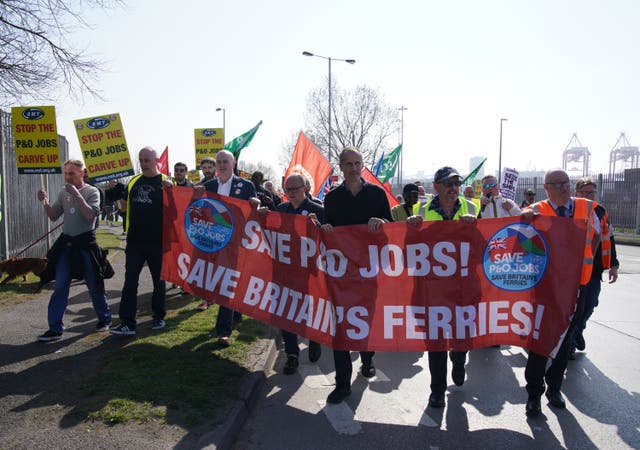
<point>193,176</point>
<point>104,147</point>
<point>208,142</point>
<point>477,188</point>
<point>35,139</point>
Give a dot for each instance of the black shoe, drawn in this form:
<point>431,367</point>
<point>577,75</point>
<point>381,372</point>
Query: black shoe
<point>580,343</point>
<point>315,351</point>
<point>572,354</point>
<point>555,398</point>
<point>457,373</point>
<point>50,336</point>
<point>533,408</point>
<point>436,400</point>
<point>291,365</point>
<point>367,370</point>
<point>339,394</point>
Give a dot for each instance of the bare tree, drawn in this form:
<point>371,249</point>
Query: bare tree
<point>37,57</point>
<point>361,118</point>
<point>266,169</point>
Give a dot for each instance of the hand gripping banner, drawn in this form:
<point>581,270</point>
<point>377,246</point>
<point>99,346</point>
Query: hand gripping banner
<point>447,285</point>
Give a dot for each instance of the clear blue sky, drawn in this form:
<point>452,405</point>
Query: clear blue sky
<point>551,67</point>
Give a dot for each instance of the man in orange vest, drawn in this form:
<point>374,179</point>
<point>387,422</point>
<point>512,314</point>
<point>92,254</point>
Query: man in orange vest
<point>560,203</point>
<point>604,258</point>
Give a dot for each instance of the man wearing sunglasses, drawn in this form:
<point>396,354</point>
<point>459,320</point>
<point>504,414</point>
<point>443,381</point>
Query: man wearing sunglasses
<point>447,204</point>
<point>180,175</point>
<point>493,203</point>
<point>299,203</point>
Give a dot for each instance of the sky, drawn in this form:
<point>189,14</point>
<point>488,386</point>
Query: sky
<point>551,67</point>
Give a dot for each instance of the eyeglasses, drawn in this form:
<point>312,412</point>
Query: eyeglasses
<point>559,184</point>
<point>490,185</point>
<point>292,189</point>
<point>449,184</point>
<point>586,192</point>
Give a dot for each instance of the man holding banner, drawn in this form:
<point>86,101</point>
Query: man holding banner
<point>446,205</point>
<point>561,204</point>
<point>226,183</point>
<point>353,202</point>
<point>298,203</point>
<point>144,244</point>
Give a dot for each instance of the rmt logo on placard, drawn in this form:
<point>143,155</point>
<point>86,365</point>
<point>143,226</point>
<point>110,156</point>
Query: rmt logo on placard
<point>33,114</point>
<point>98,123</point>
<point>208,133</point>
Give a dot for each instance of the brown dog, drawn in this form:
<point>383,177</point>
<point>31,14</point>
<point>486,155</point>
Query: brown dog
<point>14,267</point>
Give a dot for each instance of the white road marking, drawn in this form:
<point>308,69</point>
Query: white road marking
<point>341,417</point>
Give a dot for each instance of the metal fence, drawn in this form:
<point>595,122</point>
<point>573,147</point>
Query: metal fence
<point>22,218</point>
<point>619,193</point>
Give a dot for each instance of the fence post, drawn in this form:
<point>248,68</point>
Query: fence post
<point>638,213</point>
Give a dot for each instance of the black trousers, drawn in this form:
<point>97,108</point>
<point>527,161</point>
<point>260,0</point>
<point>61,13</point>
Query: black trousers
<point>438,368</point>
<point>342,361</point>
<point>137,254</point>
<point>536,372</point>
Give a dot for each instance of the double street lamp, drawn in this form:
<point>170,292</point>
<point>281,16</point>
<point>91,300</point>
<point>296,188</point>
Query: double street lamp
<point>328,58</point>
<point>500,153</point>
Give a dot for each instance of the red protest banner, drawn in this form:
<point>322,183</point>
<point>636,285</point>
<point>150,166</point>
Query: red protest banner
<point>446,285</point>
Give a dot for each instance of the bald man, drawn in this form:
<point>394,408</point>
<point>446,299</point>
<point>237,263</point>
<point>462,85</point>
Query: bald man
<point>144,243</point>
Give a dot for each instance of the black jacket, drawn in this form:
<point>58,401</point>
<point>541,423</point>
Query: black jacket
<point>101,266</point>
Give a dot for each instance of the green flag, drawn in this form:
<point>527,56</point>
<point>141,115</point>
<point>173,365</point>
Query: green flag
<point>237,144</point>
<point>473,174</point>
<point>389,165</point>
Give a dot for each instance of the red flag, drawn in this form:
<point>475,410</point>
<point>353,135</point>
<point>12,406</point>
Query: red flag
<point>371,178</point>
<point>163,162</point>
<point>309,162</point>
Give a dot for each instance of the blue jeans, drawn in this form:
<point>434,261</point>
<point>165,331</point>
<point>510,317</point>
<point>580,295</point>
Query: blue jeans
<point>136,255</point>
<point>60,296</point>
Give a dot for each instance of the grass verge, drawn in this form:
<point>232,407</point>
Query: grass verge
<point>177,375</point>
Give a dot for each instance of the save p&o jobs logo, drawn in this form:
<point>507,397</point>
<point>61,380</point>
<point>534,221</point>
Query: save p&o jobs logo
<point>515,257</point>
<point>208,224</point>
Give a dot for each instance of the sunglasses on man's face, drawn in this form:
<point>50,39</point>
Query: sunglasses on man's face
<point>449,184</point>
<point>490,185</point>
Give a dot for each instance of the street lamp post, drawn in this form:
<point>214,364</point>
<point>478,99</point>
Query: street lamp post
<point>402,109</point>
<point>328,58</point>
<point>500,153</point>
<point>224,125</point>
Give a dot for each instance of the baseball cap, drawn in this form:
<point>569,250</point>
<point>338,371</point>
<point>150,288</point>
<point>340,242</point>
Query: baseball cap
<point>409,188</point>
<point>445,173</point>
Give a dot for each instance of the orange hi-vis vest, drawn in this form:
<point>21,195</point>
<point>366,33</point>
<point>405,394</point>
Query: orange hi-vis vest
<point>583,210</point>
<point>605,242</point>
